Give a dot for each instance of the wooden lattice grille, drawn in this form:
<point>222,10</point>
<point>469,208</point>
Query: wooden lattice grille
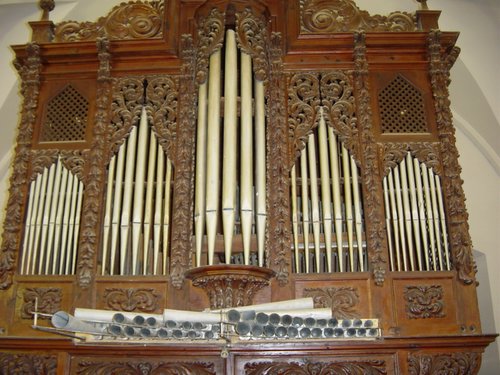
<point>66,117</point>
<point>402,108</point>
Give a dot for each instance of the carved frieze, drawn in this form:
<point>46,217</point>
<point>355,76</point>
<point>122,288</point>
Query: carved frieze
<point>133,20</point>
<point>28,364</point>
<point>424,301</point>
<point>313,368</point>
<point>343,301</point>
<point>145,368</point>
<point>183,184</point>
<point>448,363</point>
<point>372,189</point>
<point>458,227</point>
<point>425,152</point>
<point>47,300</point>
<point>133,299</point>
<point>210,37</point>
<point>95,177</point>
<point>327,16</point>
<point>29,69</point>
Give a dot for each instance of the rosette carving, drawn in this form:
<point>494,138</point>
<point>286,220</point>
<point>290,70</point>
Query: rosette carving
<point>29,69</point>
<point>210,38</point>
<point>251,34</point>
<point>424,301</point>
<point>342,301</point>
<point>459,237</point>
<point>133,299</point>
<point>372,188</point>
<point>183,184</point>
<point>28,364</point>
<point>145,368</point>
<point>448,363</point>
<point>313,368</point>
<point>162,96</point>
<point>96,165</point>
<point>303,104</point>
<point>327,16</point>
<point>278,239</point>
<point>133,20</point>
<point>338,98</point>
<point>48,301</point>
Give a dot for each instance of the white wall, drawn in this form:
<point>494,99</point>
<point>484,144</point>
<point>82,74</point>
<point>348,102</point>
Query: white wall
<point>475,95</point>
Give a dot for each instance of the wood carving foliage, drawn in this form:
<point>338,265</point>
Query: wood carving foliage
<point>331,16</point>
<point>424,301</point>
<point>183,183</point>
<point>252,39</point>
<point>459,237</point>
<point>145,368</point>
<point>95,177</point>
<point>448,363</point>
<point>28,364</point>
<point>375,231</point>
<point>29,69</point>
<point>316,368</point>
<point>133,20</point>
<point>343,301</point>
<point>394,153</point>
<point>48,301</point>
<point>210,39</point>
<point>134,299</point>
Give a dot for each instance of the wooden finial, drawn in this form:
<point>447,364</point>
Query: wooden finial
<point>47,6</point>
<point>423,4</point>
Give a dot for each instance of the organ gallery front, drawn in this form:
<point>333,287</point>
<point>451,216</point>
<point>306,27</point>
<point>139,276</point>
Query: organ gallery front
<point>238,187</point>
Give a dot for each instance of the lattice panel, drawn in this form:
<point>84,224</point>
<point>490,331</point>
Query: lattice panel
<point>402,108</point>
<point>66,118</point>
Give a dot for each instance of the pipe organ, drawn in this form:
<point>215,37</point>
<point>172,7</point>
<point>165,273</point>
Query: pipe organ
<point>238,187</point>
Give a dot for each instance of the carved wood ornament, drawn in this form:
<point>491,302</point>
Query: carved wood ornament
<point>28,364</point>
<point>424,301</point>
<point>48,301</point>
<point>308,368</point>
<point>134,299</point>
<point>343,301</point>
<point>456,363</point>
<point>145,368</point>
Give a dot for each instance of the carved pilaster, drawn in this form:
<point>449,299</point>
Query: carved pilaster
<point>278,239</point>
<point>306,368</point>
<point>372,186</point>
<point>29,69</point>
<point>28,364</point>
<point>184,166</point>
<point>448,363</point>
<point>343,301</point>
<point>89,237</point>
<point>458,227</point>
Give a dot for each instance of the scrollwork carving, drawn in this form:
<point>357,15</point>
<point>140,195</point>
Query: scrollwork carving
<point>424,301</point>
<point>210,38</point>
<point>315,368</point>
<point>29,69</point>
<point>74,161</point>
<point>375,231</point>
<point>252,37</point>
<point>447,363</point>
<point>459,237</point>
<point>133,20</point>
<point>132,299</point>
<point>426,152</point>
<point>162,95</point>
<point>145,368</point>
<point>27,364</point>
<point>42,159</point>
<point>278,173</point>
<point>343,301</point>
<point>48,301</point>
<point>327,16</point>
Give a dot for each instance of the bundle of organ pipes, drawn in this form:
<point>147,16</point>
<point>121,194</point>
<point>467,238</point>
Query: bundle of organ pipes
<point>277,320</point>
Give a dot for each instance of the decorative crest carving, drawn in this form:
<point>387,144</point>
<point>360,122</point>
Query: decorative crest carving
<point>133,20</point>
<point>29,70</point>
<point>145,368</point>
<point>455,363</point>
<point>459,237</point>
<point>333,16</point>
<point>306,368</point>
<point>210,39</point>
<point>426,152</point>
<point>48,301</point>
<point>252,37</point>
<point>343,301</point>
<point>424,301</point>
<point>132,299</point>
